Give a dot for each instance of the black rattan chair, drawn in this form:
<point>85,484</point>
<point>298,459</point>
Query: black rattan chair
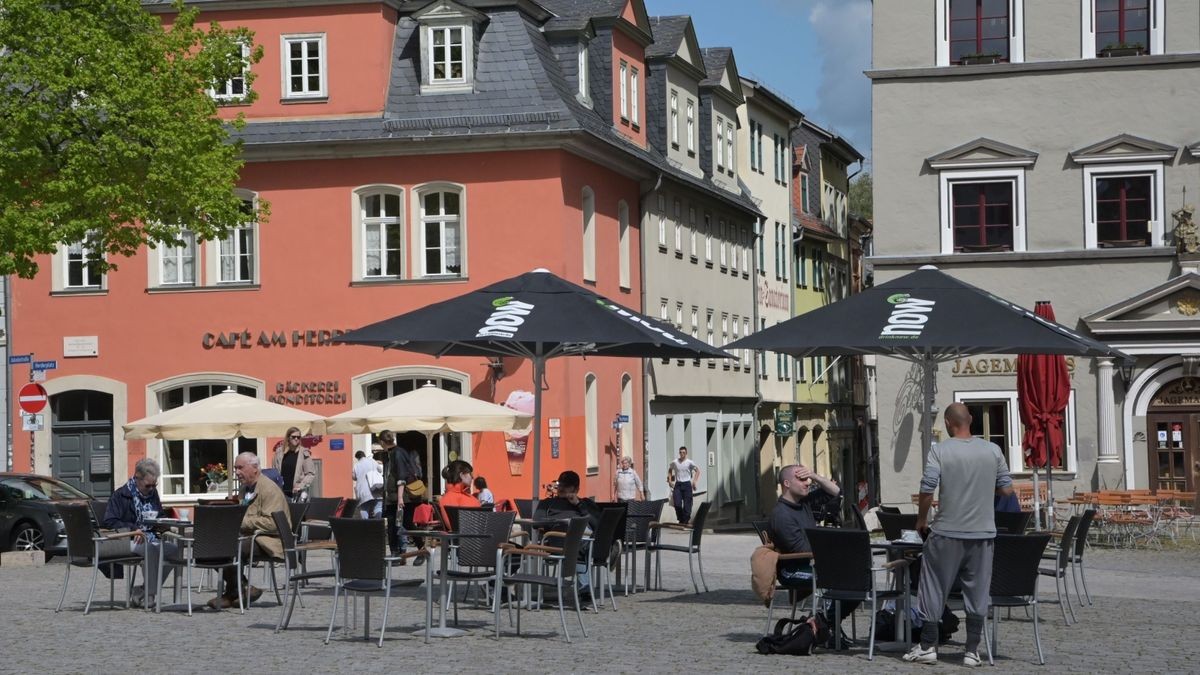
<point>524,507</point>
<point>99,508</point>
<point>85,548</point>
<point>638,535</point>
<point>603,540</point>
<point>316,519</point>
<point>1015,576</point>
<point>763,529</point>
<point>1012,522</point>
<point>564,575</point>
<point>453,511</point>
<point>477,557</point>
<point>894,523</point>
<point>215,544</point>
<point>293,577</point>
<point>363,567</point>
<point>696,529</point>
<point>1059,569</point>
<point>843,570</point>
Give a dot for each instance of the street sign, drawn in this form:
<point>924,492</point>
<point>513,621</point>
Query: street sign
<point>32,398</point>
<point>19,358</point>
<point>554,448</point>
<point>44,365</point>
<point>784,421</point>
<point>554,433</point>
<point>37,376</point>
<point>616,425</point>
<point>30,422</point>
<point>622,418</point>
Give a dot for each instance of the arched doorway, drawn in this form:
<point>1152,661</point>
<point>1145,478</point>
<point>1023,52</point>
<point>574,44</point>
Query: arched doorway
<point>81,440</point>
<point>1173,434</point>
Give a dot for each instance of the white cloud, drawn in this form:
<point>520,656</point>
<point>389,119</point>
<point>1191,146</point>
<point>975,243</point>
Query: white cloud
<point>843,33</point>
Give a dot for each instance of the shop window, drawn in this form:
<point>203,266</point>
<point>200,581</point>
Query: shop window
<point>184,463</point>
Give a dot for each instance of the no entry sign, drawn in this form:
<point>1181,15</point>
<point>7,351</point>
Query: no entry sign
<point>32,398</point>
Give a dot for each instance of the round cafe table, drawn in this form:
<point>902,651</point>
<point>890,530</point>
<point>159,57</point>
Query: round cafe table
<point>441,630</point>
<point>900,549</point>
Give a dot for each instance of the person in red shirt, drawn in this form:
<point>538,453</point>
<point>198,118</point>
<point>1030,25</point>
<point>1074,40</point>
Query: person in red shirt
<point>457,476</point>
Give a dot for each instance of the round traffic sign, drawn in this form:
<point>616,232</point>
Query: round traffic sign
<point>32,398</point>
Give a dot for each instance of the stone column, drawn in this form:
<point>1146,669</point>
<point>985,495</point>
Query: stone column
<point>1105,414</point>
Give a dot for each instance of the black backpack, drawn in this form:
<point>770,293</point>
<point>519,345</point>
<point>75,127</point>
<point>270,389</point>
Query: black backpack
<point>799,640</point>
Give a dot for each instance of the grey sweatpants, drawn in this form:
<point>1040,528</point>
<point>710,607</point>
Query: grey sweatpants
<point>945,560</point>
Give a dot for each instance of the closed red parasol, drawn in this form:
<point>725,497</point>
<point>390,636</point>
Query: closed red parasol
<point>1043,390</point>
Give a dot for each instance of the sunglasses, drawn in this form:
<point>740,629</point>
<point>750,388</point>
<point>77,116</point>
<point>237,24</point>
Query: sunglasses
<point>294,436</point>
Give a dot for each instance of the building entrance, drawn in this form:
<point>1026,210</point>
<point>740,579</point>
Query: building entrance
<point>82,440</point>
<point>1172,435</point>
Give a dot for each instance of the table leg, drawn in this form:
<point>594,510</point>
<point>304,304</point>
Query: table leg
<point>442,630</point>
<point>367,616</point>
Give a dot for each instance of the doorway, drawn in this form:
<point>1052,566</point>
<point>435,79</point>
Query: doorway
<point>1172,435</point>
<point>81,440</point>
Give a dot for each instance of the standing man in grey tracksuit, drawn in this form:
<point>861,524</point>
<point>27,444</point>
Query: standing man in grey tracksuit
<point>970,472</point>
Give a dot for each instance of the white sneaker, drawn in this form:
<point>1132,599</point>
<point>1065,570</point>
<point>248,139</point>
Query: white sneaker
<point>919,654</point>
<point>972,660</point>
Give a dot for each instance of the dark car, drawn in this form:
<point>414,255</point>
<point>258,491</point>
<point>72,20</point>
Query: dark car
<point>29,519</point>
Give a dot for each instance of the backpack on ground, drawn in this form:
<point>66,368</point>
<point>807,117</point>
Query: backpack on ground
<point>795,637</point>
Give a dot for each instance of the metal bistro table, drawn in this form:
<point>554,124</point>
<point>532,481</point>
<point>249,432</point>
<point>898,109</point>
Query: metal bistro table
<point>632,554</point>
<point>536,526</point>
<point>442,630</point>
<point>161,525</point>
<point>903,637</point>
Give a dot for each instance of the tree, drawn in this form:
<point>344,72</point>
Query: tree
<point>107,130</point>
<point>860,196</point>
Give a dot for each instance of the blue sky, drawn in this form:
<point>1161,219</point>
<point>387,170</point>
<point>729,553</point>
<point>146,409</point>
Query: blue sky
<point>811,51</point>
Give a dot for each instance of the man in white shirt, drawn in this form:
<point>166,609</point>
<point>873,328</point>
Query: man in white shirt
<point>681,476</point>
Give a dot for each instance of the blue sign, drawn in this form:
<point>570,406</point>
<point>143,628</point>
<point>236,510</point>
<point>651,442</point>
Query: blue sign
<point>44,365</point>
<point>23,358</point>
<point>337,444</point>
<point>624,419</point>
<point>554,448</point>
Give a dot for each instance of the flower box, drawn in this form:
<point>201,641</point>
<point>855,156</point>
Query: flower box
<point>1123,50</point>
<point>981,59</point>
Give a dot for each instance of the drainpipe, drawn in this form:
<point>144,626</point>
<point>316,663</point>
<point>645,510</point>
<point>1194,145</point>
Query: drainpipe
<point>758,397</point>
<point>645,362</point>
<point>8,392</point>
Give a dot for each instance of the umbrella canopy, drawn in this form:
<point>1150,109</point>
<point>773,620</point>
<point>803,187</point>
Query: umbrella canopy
<point>1043,391</point>
<point>428,409</point>
<point>227,415</point>
<point>536,315</point>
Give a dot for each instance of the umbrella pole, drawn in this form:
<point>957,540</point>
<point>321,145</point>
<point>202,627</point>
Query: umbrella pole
<point>1037,502</point>
<point>539,369</point>
<point>229,463</point>
<point>1049,492</point>
<point>927,409</point>
<point>429,466</point>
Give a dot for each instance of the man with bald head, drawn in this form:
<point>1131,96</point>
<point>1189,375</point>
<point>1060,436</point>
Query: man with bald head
<point>262,497</point>
<point>967,472</point>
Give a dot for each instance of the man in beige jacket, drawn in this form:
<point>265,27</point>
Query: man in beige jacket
<point>264,498</point>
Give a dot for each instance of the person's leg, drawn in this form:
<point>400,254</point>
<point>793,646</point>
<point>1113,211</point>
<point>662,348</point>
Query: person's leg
<point>410,508</point>
<point>686,503</point>
<point>940,562</point>
<point>234,575</point>
<point>677,501</point>
<point>395,543</point>
<point>976,577</point>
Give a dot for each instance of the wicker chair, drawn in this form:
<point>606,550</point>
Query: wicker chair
<point>477,557</point>
<point>363,568</point>
<point>84,550</point>
<point>562,578</point>
<point>214,544</point>
<point>1015,577</point>
<point>696,530</point>
<point>293,577</point>
<point>1008,522</point>
<point>638,535</point>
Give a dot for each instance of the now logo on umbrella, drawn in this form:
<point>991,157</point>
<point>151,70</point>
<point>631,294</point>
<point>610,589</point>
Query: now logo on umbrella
<point>908,318</point>
<point>507,317</point>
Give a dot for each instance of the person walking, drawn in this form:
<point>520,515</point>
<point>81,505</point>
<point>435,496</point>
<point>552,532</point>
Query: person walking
<point>682,475</point>
<point>388,456</point>
<point>627,485</point>
<point>368,483</point>
<point>968,473</point>
<point>295,464</point>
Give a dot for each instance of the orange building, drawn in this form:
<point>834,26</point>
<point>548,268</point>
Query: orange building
<point>410,152</point>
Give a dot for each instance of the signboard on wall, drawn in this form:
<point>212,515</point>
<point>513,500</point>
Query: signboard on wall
<point>76,346</point>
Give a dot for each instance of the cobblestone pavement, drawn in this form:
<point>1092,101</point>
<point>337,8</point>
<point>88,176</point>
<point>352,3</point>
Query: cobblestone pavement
<point>1143,620</point>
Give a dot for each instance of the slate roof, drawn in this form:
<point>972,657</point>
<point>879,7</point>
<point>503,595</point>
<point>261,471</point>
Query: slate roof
<point>668,33</point>
<point>715,60</point>
<point>599,9</point>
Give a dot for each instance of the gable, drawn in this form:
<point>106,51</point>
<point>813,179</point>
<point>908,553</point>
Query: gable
<point>1124,148</point>
<point>446,10</point>
<point>689,47</point>
<point>982,152</point>
<point>1170,307</point>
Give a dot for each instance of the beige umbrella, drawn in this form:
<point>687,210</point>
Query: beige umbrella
<point>429,410</point>
<point>228,415</point>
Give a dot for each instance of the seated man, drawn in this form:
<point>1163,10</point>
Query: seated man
<point>793,513</point>
<point>127,511</point>
<point>568,504</point>
<point>264,498</point>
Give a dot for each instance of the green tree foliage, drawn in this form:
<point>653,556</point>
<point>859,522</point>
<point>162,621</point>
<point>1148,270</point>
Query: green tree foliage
<point>107,130</point>
<point>860,196</point>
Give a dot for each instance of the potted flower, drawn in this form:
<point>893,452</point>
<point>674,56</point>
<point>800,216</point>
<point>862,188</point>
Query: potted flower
<point>981,59</point>
<point>1123,49</point>
<point>216,476</point>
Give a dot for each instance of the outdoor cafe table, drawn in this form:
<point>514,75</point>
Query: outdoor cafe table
<point>442,630</point>
<point>180,525</point>
<point>535,526</point>
<point>903,637</point>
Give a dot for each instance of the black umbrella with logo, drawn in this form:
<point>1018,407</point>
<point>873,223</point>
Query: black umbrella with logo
<point>926,317</point>
<point>538,316</point>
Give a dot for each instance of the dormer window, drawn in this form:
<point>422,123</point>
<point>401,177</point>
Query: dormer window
<point>582,70</point>
<point>447,47</point>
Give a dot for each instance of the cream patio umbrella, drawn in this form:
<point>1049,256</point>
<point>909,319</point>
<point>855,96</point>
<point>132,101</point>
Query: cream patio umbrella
<point>429,410</point>
<point>228,415</point>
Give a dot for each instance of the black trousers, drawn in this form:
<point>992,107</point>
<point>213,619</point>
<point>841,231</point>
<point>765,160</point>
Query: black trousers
<point>395,541</point>
<point>683,501</point>
<point>231,574</point>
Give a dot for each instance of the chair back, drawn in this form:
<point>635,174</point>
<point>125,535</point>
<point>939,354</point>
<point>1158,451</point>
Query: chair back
<point>841,558</point>
<point>1015,560</point>
<point>698,523</point>
<point>361,545</point>
<point>893,523</point>
<point>1081,532</point>
<point>624,508</point>
<point>763,529</point>
<point>298,511</point>
<point>890,509</point>
<point>286,538</point>
<point>217,530</point>
<point>453,513</point>
<point>77,519</point>
<point>481,552</point>
<point>605,534</point>
<point>1067,543</point>
<point>99,509</point>
<point>637,530</point>
<point>349,507</point>
<point>1012,522</point>
<point>858,522</point>
<point>524,507</point>
<point>572,542</point>
<point>323,508</point>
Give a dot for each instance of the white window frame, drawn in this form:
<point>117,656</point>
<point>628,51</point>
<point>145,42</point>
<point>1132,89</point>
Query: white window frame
<point>79,251</point>
<point>624,77</point>
<point>227,85</point>
<point>722,235</point>
<point>725,337</point>
<point>662,222</point>
<point>675,119</point>
<point>235,242</point>
<point>1016,31</point>
<point>635,117</point>
<point>444,222</point>
<point>179,254</point>
<point>692,231</point>
<point>1087,40</point>
<point>663,311</point>
<point>1014,454</point>
<point>679,315</point>
<point>465,37</point>
<point>582,74</point>
<point>623,246</point>
<point>745,352</point>
<point>948,178</point>
<point>719,143</point>
<point>591,413</point>
<point>1157,207</point>
<point>588,208</point>
<point>691,126</point>
<point>708,239</point>
<point>678,213</point>
<point>361,223</point>
<point>754,160</point>
<point>734,246</point>
<point>731,149</point>
<point>285,42</point>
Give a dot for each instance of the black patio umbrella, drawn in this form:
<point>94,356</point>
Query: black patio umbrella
<point>538,316</point>
<point>926,317</point>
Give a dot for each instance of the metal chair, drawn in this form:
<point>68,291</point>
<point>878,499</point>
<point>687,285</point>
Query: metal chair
<point>453,511</point>
<point>1015,560</point>
<point>215,544</point>
<point>477,557</point>
<point>763,529</point>
<point>363,568</point>
<point>1009,522</point>
<point>894,523</point>
<point>99,509</point>
<point>638,535</point>
<point>84,550</point>
<point>1059,570</point>
<point>843,570</point>
<point>696,527</point>
<point>603,539</point>
<point>293,577</point>
<point>524,507</point>
<point>564,574</point>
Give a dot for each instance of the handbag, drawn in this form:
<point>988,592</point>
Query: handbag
<point>414,489</point>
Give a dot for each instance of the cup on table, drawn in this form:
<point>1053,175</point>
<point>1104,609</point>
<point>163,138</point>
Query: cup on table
<point>910,536</point>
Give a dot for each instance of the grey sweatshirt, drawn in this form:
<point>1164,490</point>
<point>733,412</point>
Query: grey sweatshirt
<point>968,471</point>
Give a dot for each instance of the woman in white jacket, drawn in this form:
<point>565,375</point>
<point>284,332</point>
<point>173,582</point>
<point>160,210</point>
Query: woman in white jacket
<point>368,484</point>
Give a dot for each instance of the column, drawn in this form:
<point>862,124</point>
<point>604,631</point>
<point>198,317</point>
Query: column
<point>1105,414</point>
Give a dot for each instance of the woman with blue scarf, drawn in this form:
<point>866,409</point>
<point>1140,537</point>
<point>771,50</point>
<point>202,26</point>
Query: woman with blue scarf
<point>129,508</point>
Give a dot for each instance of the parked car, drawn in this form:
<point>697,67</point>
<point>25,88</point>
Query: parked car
<point>29,519</point>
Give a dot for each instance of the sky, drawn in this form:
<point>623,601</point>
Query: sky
<point>813,52</point>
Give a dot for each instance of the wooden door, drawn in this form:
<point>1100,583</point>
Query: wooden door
<point>1171,439</point>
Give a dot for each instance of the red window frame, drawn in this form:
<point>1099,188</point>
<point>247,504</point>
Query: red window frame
<point>976,42</point>
<point>1123,201</point>
<point>1122,9</point>
<point>982,206</point>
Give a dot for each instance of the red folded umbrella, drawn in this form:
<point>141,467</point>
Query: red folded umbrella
<point>1043,389</point>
